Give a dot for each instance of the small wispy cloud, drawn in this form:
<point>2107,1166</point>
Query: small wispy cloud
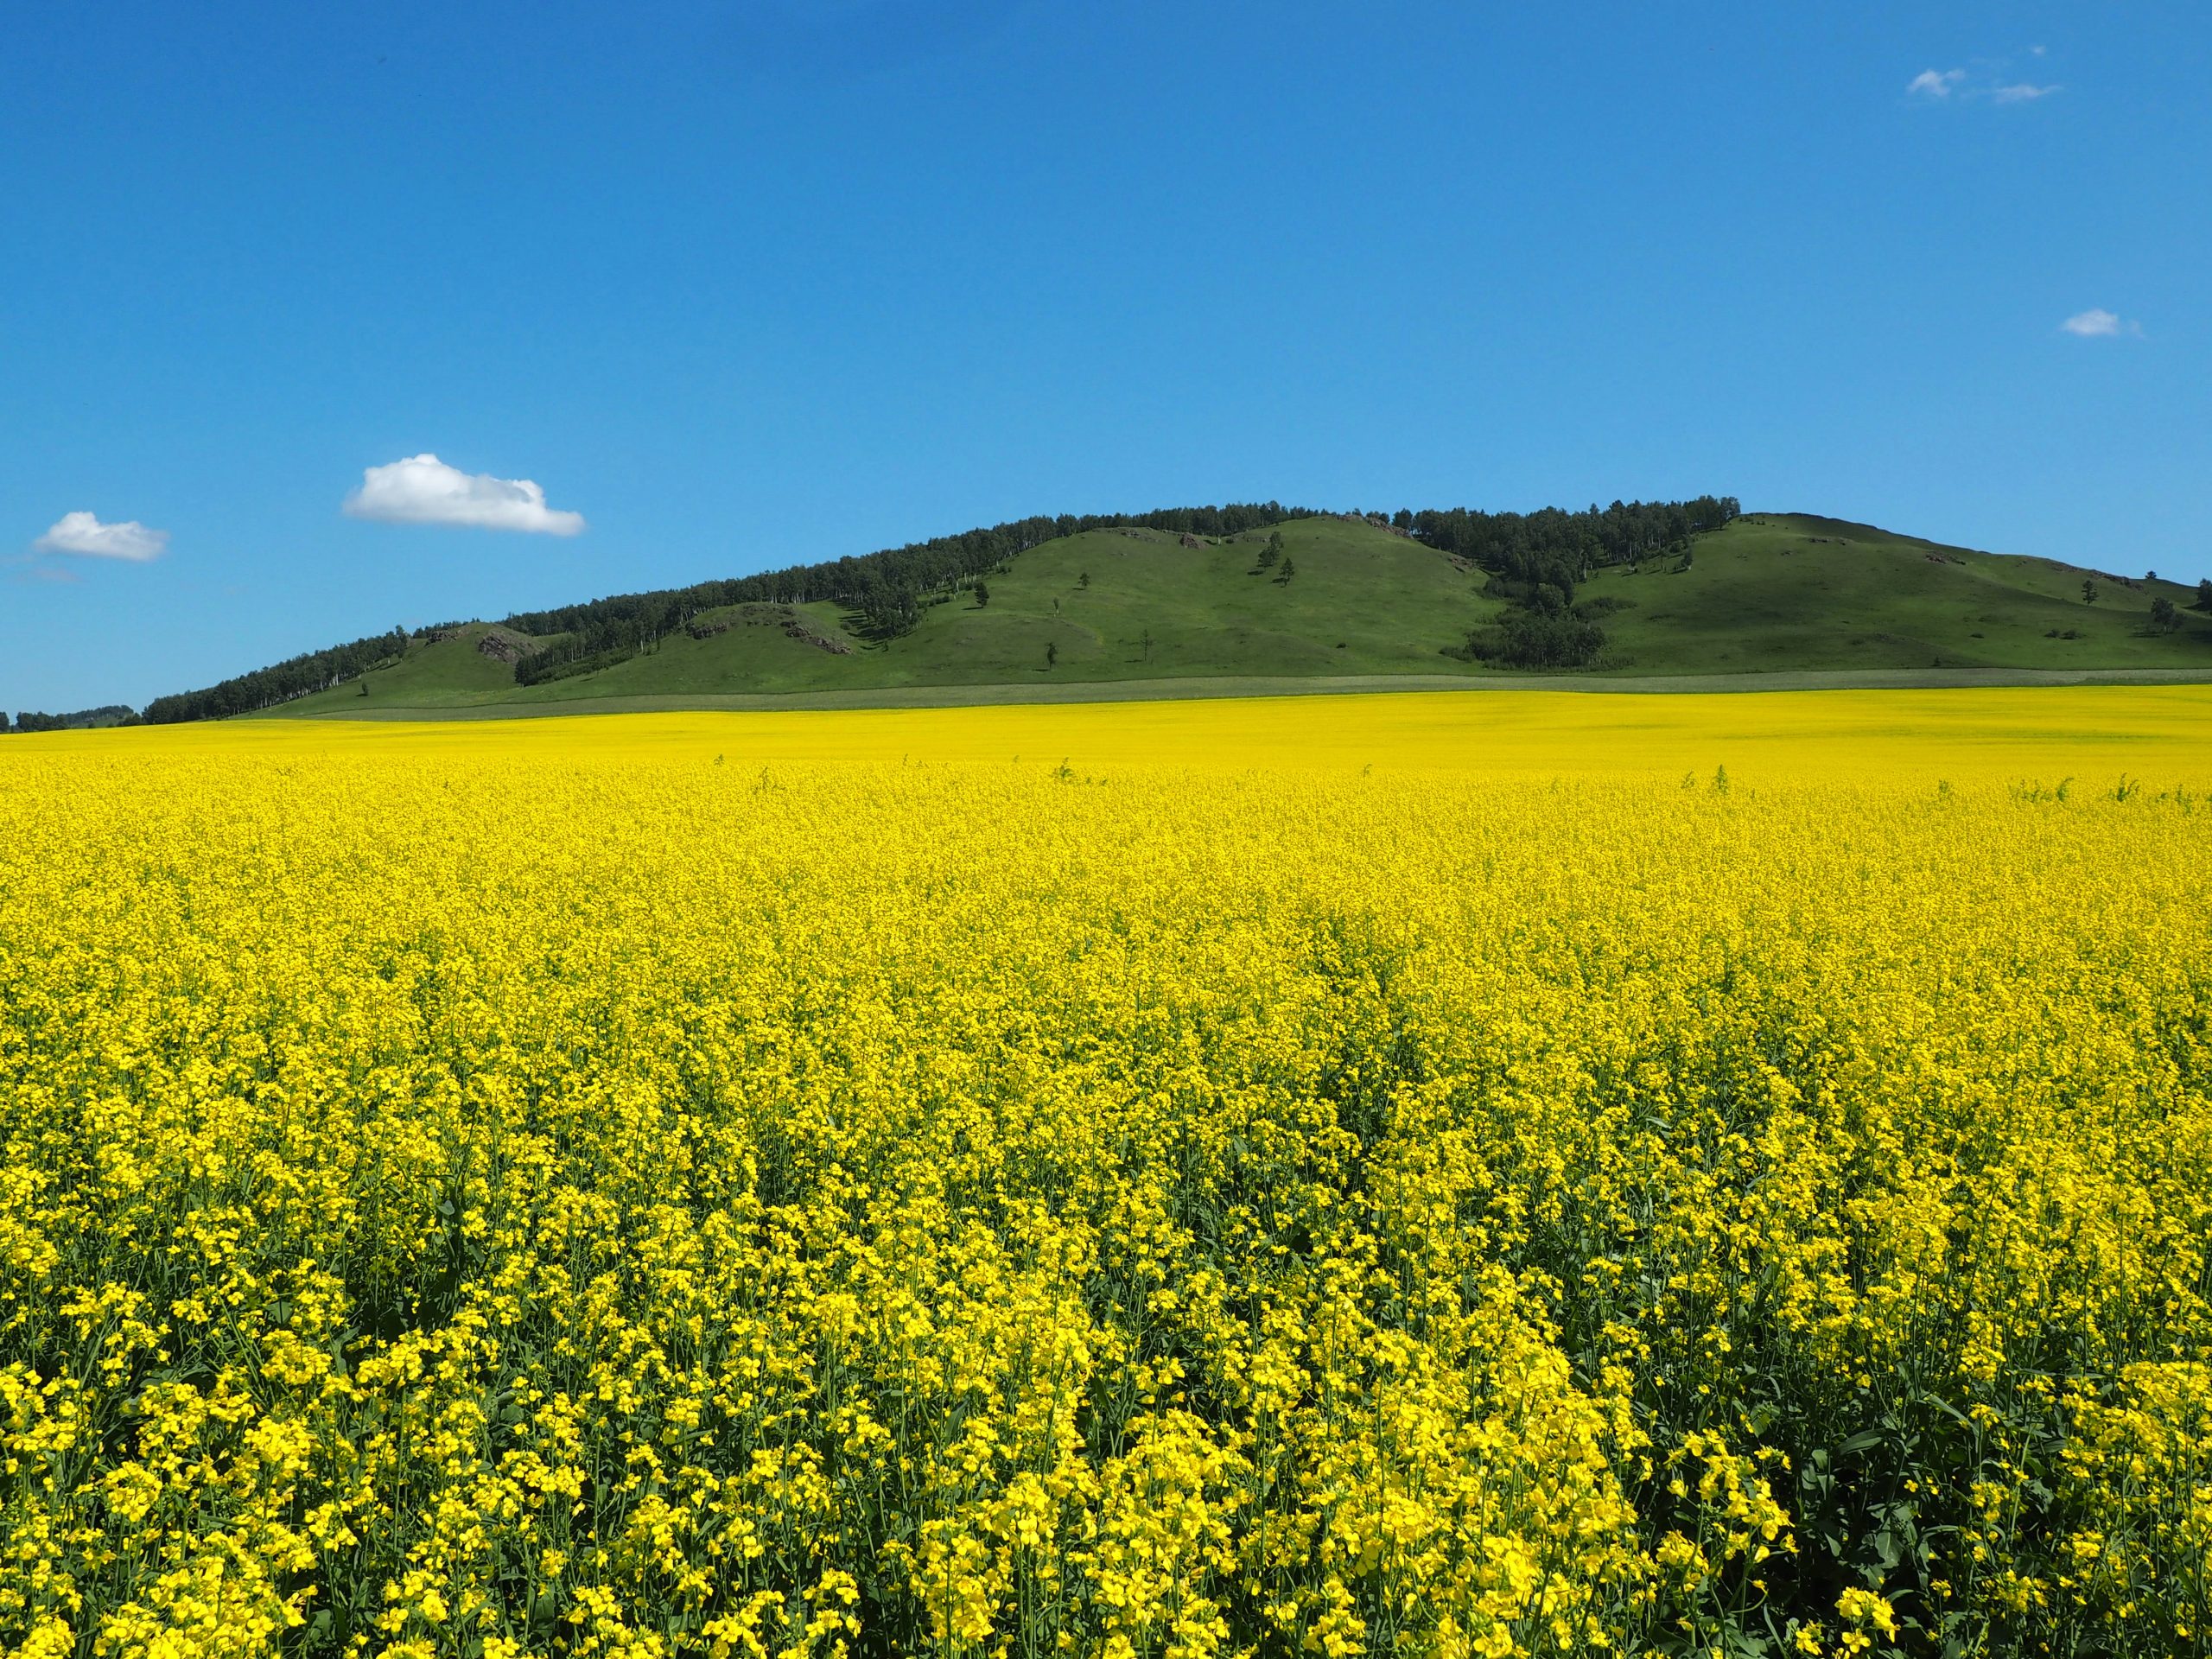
<point>2097,323</point>
<point>424,490</point>
<point>83,535</point>
<point>1987,81</point>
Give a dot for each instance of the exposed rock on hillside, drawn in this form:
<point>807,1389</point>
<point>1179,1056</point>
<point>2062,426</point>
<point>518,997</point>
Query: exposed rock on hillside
<point>793,624</point>
<point>507,646</point>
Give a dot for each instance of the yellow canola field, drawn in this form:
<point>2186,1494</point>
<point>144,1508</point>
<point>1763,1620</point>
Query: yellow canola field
<point>1467,1175</point>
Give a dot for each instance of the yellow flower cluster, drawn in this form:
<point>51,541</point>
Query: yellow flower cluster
<point>584,1199</point>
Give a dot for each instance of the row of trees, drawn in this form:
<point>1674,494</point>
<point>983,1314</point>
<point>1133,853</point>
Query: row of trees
<point>113,714</point>
<point>1559,548</point>
<point>316,670</point>
<point>887,589</point>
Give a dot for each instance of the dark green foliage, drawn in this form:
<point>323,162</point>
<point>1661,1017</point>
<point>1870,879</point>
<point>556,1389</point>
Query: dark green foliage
<point>2164,616</point>
<point>1527,637</point>
<point>564,667</point>
<point>2088,592</point>
<point>1535,560</point>
<point>982,594</point>
<point>113,714</point>
<point>1271,554</point>
<point>1562,548</point>
<point>317,670</point>
<point>2204,594</point>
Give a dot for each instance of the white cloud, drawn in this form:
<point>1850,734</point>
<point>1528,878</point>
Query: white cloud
<point>2097,323</point>
<point>424,490</point>
<point>83,534</point>
<point>1983,83</point>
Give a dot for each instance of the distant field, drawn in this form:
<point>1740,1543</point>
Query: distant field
<point>1159,614</point>
<point>2092,733</point>
<point>1231,686</point>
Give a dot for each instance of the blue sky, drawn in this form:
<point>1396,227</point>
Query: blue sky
<point>747,284</point>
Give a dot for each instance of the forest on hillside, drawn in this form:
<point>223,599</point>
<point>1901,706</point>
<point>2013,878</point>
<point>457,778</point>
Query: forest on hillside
<point>295,677</point>
<point>1535,560</point>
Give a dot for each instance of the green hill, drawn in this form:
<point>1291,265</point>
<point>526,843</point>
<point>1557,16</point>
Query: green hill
<point>1107,605</point>
<point>1792,592</point>
<point>1021,611</point>
<point>1769,592</point>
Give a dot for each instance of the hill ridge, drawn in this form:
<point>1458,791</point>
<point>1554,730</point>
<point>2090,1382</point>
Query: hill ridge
<point>883,593</point>
<point>1182,597</point>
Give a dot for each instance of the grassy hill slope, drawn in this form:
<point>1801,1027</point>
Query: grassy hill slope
<point>1770,593</point>
<point>1361,600</point>
<point>1789,592</point>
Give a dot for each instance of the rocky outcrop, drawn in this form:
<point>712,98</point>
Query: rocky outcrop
<point>794,626</point>
<point>505,645</point>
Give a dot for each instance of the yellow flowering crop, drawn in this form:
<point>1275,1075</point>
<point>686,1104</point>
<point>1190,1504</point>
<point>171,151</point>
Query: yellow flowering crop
<point>1481,1175</point>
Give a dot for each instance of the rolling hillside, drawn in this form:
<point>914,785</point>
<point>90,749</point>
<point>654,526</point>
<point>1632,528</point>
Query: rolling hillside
<point>1769,593</point>
<point>1168,613</point>
<point>1791,592</point>
<point>1360,600</point>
